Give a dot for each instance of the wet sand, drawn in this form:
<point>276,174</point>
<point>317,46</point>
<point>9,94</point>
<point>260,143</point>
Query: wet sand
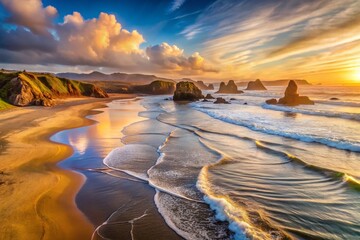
<point>38,197</point>
<point>121,206</point>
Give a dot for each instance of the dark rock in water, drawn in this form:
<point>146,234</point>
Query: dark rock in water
<point>292,97</point>
<point>229,88</point>
<point>211,86</point>
<point>245,103</point>
<point>205,100</point>
<point>272,101</point>
<point>334,99</point>
<point>187,91</point>
<point>256,85</point>
<point>232,99</point>
<point>220,100</point>
<point>208,96</point>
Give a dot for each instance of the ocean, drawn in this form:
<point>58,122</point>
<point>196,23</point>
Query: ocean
<point>245,170</point>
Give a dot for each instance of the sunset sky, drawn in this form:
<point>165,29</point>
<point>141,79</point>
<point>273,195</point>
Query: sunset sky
<point>317,40</point>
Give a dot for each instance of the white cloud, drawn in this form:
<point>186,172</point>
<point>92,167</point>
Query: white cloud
<point>97,42</point>
<point>100,40</point>
<point>173,58</point>
<point>30,14</point>
<point>176,4</point>
<point>242,36</point>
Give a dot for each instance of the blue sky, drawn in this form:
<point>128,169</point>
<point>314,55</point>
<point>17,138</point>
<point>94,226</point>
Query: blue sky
<point>210,40</point>
<point>158,20</point>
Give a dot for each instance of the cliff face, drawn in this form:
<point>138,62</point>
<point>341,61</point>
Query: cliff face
<point>156,88</point>
<point>23,89</point>
<point>187,91</point>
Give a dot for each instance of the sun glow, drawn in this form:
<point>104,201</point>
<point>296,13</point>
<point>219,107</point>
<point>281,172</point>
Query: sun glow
<point>357,75</point>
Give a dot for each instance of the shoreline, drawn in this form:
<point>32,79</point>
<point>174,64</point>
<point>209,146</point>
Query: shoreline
<point>35,190</point>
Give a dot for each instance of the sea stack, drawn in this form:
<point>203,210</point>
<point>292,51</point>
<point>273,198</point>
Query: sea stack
<point>208,96</point>
<point>229,88</point>
<point>221,100</point>
<point>255,85</point>
<point>292,97</point>
<point>187,91</point>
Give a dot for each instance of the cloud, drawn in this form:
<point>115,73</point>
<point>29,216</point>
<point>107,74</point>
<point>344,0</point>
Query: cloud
<point>176,4</point>
<point>320,38</point>
<point>20,39</point>
<point>249,39</point>
<point>173,58</point>
<point>97,42</point>
<point>30,14</point>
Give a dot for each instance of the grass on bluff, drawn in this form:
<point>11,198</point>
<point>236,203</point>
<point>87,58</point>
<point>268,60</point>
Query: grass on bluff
<point>4,105</point>
<point>43,83</point>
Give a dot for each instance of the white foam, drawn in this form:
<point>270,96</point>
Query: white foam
<point>224,211</point>
<point>231,117</point>
<point>167,219</point>
<point>345,115</point>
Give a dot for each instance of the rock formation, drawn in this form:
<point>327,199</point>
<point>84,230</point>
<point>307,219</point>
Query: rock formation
<point>229,88</point>
<point>208,96</point>
<point>271,101</point>
<point>221,100</point>
<point>201,85</point>
<point>23,89</point>
<point>156,88</point>
<point>255,85</point>
<point>292,97</point>
<point>187,91</point>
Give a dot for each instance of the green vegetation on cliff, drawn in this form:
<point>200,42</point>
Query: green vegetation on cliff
<point>156,87</point>
<point>4,105</point>
<point>23,88</point>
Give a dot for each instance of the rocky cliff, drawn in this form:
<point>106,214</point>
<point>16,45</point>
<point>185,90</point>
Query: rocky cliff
<point>23,88</point>
<point>155,88</point>
<point>187,91</point>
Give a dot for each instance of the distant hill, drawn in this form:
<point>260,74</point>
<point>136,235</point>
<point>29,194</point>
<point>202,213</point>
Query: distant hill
<point>136,79</point>
<point>24,88</point>
<point>155,88</point>
<point>282,82</point>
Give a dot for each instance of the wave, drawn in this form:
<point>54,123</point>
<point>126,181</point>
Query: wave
<point>340,103</point>
<point>351,116</point>
<point>167,219</point>
<point>352,181</point>
<point>339,144</point>
<point>243,222</point>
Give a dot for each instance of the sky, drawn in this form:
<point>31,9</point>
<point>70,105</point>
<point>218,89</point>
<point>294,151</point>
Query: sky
<point>317,40</point>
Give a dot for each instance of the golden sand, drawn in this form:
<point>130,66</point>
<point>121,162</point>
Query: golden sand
<point>37,198</point>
